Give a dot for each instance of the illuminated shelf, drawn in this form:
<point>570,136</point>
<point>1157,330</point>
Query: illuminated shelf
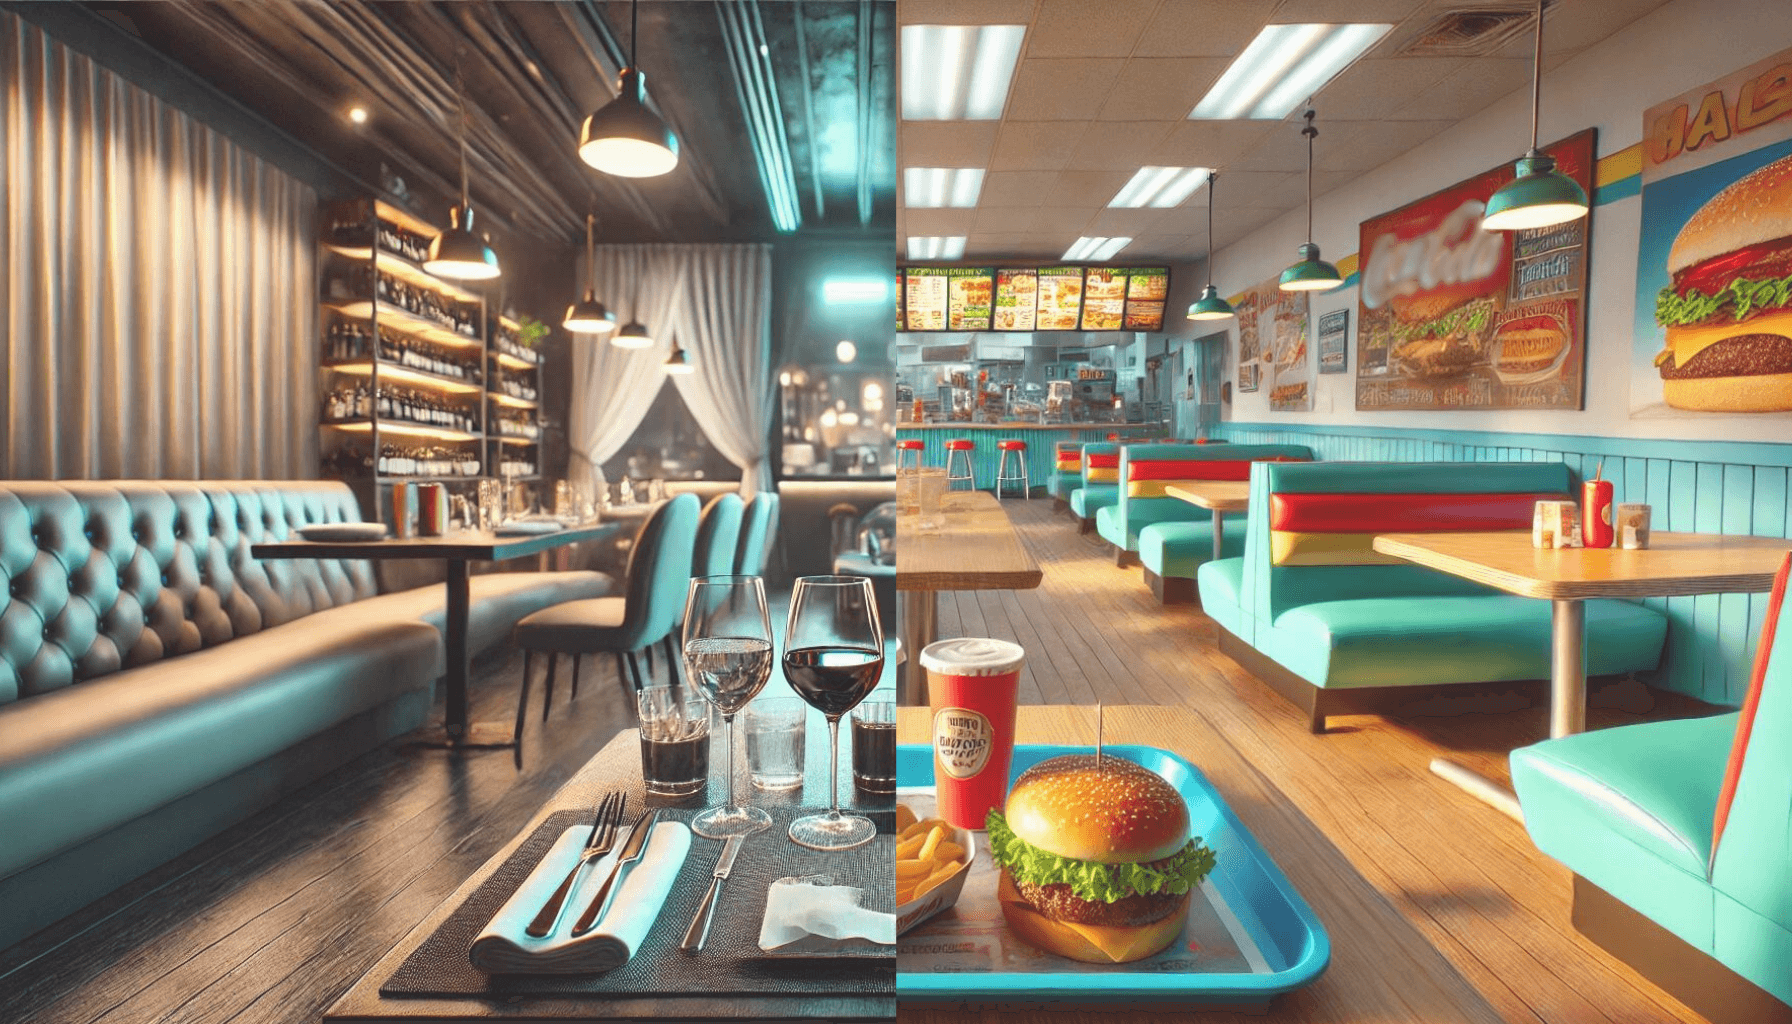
<point>407,375</point>
<point>401,319</point>
<point>512,401</point>
<point>511,361</point>
<point>507,322</point>
<point>513,439</point>
<point>403,428</point>
<point>403,269</point>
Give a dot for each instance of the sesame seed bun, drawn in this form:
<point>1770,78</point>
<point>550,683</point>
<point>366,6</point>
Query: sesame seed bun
<point>1119,813</point>
<point>1754,208</point>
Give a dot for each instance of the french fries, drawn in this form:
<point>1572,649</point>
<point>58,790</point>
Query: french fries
<point>928,852</point>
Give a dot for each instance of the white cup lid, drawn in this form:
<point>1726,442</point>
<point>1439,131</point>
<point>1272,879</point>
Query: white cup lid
<point>972,656</point>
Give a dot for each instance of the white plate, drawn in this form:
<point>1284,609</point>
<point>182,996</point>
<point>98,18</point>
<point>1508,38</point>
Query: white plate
<point>529,528</point>
<point>336,533</point>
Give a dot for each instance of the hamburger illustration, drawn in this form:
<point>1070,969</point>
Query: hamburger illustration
<point>1728,310</point>
<point>1097,863</point>
<point>1529,349</point>
<point>1439,334</point>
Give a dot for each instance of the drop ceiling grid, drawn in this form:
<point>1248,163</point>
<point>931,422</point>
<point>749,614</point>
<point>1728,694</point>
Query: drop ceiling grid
<point>1103,87</point>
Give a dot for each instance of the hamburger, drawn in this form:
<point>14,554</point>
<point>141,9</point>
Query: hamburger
<point>1097,862</point>
<point>1440,333</point>
<point>1530,347</point>
<point>1728,309</point>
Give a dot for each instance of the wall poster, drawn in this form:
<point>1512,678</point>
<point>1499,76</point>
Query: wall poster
<point>1713,319</point>
<point>1334,330</point>
<point>1453,317</point>
<point>1272,345</point>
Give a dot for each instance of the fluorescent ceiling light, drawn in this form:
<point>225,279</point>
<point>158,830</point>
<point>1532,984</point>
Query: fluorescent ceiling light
<point>1095,249</point>
<point>1283,66</point>
<point>1160,187</point>
<point>933,187</point>
<point>936,247</point>
<point>843,290</point>
<point>958,72</point>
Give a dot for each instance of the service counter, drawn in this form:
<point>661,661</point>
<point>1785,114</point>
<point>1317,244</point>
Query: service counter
<point>1041,438</point>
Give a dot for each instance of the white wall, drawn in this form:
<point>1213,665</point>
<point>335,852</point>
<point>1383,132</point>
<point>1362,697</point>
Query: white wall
<point>1677,47</point>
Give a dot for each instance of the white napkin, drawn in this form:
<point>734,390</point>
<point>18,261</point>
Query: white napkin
<point>812,908</point>
<point>528,527</point>
<point>505,948</point>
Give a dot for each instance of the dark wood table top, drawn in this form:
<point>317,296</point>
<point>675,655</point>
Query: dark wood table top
<point>472,545</point>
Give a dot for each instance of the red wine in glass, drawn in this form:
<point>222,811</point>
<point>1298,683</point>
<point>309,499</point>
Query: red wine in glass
<point>833,679</point>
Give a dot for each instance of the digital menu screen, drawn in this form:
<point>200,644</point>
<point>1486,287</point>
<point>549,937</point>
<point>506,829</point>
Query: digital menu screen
<point>1032,299</point>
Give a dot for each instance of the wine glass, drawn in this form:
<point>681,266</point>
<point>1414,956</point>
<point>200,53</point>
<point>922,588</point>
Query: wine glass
<point>833,657</point>
<point>728,657</point>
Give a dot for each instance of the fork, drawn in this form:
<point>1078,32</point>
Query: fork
<point>598,843</point>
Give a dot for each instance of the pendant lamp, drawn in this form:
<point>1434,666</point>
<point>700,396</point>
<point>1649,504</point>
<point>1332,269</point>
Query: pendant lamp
<point>633,335</point>
<point>1540,196</point>
<point>1311,274</point>
<point>458,252</point>
<point>1210,306</point>
<point>623,137</point>
<point>678,362</point>
<point>589,316</point>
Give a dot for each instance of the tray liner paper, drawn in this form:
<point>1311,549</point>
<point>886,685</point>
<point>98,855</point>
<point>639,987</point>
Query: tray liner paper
<point>973,938</point>
<point>731,961</point>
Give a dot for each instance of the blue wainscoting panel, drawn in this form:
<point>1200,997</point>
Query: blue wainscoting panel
<point>1736,487</point>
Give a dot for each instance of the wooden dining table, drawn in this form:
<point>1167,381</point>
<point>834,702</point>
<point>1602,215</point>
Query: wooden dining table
<point>1217,496</point>
<point>1382,968</point>
<point>977,548</point>
<point>1674,564</point>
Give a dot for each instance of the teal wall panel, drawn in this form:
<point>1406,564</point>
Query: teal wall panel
<point>1735,487</point>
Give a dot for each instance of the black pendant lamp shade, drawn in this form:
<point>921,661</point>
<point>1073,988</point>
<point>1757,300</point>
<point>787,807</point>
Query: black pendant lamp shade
<point>588,315</point>
<point>633,335</point>
<point>678,362</point>
<point>624,137</point>
<point>458,252</point>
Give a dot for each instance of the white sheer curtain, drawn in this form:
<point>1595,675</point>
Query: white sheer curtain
<point>612,388</point>
<point>725,328</point>
<point>158,300</point>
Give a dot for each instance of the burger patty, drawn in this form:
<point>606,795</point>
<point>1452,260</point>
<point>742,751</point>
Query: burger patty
<point>1745,355</point>
<point>1060,903</point>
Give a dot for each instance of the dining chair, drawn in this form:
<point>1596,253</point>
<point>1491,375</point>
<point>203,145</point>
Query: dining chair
<point>659,574</point>
<point>759,525</point>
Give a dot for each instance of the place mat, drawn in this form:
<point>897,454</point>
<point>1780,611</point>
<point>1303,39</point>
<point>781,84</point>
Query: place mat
<point>731,963</point>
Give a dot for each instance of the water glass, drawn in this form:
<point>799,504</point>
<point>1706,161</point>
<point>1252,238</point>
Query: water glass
<point>908,497</point>
<point>775,742</point>
<point>931,487</point>
<point>674,741</point>
<point>874,746</point>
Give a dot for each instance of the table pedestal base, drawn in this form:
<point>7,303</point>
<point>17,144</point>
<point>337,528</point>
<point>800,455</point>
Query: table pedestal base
<point>1478,786</point>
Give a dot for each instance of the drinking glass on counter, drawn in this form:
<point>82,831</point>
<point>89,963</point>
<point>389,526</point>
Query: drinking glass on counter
<point>833,657</point>
<point>931,486</point>
<point>874,746</point>
<point>674,741</point>
<point>775,738</point>
<point>728,658</point>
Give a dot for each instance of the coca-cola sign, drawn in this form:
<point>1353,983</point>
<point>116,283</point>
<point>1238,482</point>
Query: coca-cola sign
<point>1438,291</point>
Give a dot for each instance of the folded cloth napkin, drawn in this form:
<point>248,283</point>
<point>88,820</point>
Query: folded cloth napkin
<point>814,915</point>
<point>505,948</point>
<point>528,527</point>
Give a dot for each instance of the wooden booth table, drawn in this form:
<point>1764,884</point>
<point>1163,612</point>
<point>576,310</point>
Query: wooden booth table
<point>1674,564</point>
<point>1382,968</point>
<point>1218,496</point>
<point>455,550</point>
<point>977,549</point>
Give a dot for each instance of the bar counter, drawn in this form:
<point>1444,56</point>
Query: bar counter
<point>1041,438</point>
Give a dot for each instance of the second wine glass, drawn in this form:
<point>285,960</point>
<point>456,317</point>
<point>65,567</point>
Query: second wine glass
<point>833,658</point>
<point>728,657</point>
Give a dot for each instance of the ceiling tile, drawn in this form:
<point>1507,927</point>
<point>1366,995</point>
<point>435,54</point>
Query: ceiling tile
<point>1061,88</point>
<point>1230,224</point>
<point>1016,188</point>
<point>1209,143</point>
<point>965,12</point>
<point>947,143</point>
<point>1202,28</point>
<point>1284,148</point>
<point>1118,145</point>
<point>1035,145</point>
<point>1087,189</point>
<point>1369,144</point>
<point>1391,11</point>
<point>1004,220</point>
<point>1070,220</point>
<point>1017,244</point>
<point>1577,26</point>
<point>1136,223</point>
<point>1375,89</point>
<point>1168,246</point>
<point>938,222</point>
<point>1088,28</point>
<point>1278,189</point>
<point>1473,88</point>
<point>1161,88</point>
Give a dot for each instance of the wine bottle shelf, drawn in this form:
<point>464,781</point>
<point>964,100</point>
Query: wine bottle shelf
<point>400,319</point>
<point>513,362</point>
<point>403,269</point>
<point>500,398</point>
<point>394,373</point>
<point>389,425</point>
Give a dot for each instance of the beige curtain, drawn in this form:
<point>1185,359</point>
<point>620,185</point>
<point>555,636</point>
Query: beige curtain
<point>157,285</point>
<point>724,324</point>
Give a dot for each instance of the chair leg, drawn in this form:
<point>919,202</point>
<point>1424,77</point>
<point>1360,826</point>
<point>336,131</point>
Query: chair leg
<point>522,705</point>
<point>634,667</point>
<point>575,677</point>
<point>649,653</point>
<point>622,677</point>
<point>547,693</point>
<point>672,662</point>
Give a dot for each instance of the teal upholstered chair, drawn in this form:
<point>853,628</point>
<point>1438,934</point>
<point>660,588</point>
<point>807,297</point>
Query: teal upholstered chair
<point>1677,834</point>
<point>659,576</point>
<point>718,536</point>
<point>1100,485</point>
<point>1067,473</point>
<point>758,529</point>
<point>1338,627</point>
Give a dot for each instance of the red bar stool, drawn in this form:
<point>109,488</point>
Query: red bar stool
<point>1019,450</point>
<point>954,448</point>
<point>909,445</point>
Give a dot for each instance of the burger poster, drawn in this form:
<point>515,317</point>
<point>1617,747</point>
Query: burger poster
<point>1713,321</point>
<point>1451,316</point>
<point>1272,346</point>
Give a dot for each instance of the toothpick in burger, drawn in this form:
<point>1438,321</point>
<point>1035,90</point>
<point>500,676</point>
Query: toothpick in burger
<point>1096,857</point>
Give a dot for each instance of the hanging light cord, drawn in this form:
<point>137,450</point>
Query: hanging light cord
<point>634,29</point>
<point>1311,133</point>
<point>1537,78</point>
<point>1211,178</point>
<point>460,88</point>
<point>590,252</point>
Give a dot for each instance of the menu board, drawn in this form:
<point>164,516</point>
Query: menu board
<point>969,295</point>
<point>1147,288</point>
<point>1060,299</point>
<point>1017,296</point>
<point>1104,299</point>
<point>924,298</point>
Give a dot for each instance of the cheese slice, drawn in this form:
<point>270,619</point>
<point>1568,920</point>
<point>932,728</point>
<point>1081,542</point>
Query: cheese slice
<point>1119,944</point>
<point>1687,342</point>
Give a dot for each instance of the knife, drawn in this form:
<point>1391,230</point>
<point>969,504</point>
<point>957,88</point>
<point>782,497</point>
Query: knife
<point>698,933</point>
<point>631,852</point>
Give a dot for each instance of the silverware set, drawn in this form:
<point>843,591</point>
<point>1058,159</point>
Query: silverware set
<point>605,831</point>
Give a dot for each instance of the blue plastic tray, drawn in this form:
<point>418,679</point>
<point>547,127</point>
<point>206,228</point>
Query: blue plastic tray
<point>1289,935</point>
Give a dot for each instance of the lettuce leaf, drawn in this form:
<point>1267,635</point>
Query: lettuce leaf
<point>1468,318</point>
<point>1740,299</point>
<point>1089,880</point>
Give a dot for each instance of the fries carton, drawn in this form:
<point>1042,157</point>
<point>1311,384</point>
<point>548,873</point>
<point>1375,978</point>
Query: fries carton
<point>943,893</point>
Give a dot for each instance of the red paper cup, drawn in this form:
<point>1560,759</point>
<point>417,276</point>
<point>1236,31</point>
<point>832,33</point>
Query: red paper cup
<point>1596,514</point>
<point>972,686</point>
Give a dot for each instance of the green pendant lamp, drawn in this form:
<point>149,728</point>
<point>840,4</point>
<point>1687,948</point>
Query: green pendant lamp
<point>624,137</point>
<point>1311,274</point>
<point>1210,306</point>
<point>589,316</point>
<point>1540,196</point>
<point>678,362</point>
<point>457,252</point>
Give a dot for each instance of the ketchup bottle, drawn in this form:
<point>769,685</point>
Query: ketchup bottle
<point>1596,511</point>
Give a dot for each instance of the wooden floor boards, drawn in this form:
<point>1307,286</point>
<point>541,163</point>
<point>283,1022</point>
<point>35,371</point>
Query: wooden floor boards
<point>1467,877</point>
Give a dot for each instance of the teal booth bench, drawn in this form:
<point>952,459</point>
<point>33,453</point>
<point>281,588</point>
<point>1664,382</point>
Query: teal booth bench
<point>1679,835</point>
<point>1100,487</point>
<point>1339,628</point>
